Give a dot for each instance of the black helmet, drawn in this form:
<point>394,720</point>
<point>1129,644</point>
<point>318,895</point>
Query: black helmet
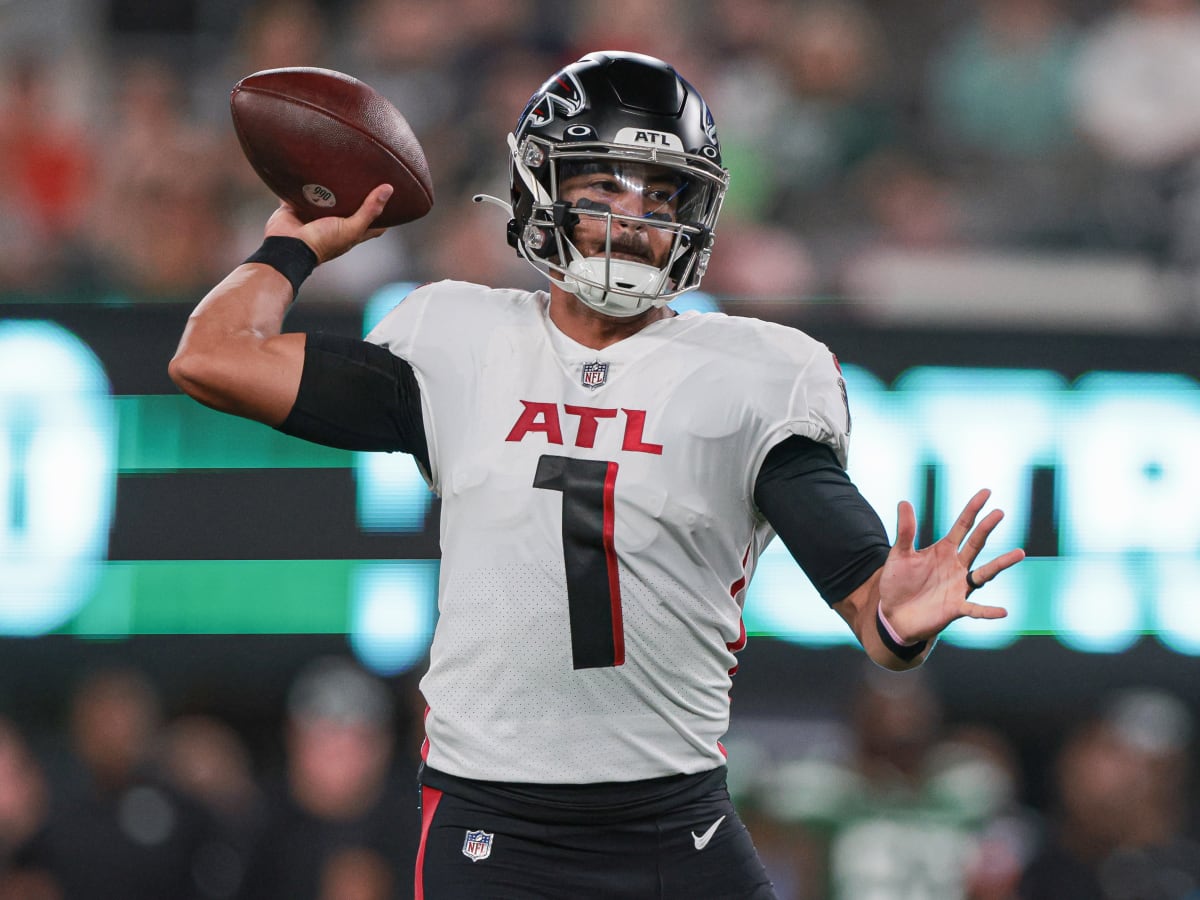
<point>616,112</point>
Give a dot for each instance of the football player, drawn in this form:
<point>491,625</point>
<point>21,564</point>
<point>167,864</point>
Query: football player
<point>609,471</point>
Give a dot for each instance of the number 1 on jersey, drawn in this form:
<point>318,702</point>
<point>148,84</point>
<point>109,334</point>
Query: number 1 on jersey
<point>593,587</point>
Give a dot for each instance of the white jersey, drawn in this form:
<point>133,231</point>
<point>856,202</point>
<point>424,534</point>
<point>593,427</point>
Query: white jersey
<point>598,528</point>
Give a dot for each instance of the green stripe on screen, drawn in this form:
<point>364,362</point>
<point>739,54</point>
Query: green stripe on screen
<point>218,597</point>
<point>169,432</point>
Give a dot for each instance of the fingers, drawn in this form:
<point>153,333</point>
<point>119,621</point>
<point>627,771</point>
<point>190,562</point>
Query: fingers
<point>979,536</point>
<point>990,570</point>
<point>966,519</point>
<point>906,526</point>
<point>979,611</point>
<point>331,236</point>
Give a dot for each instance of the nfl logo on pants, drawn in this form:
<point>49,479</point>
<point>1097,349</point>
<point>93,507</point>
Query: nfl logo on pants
<point>478,845</point>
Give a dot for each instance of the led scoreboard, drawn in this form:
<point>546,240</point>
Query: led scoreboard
<point>128,509</point>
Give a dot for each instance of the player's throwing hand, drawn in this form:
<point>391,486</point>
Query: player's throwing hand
<point>331,236</point>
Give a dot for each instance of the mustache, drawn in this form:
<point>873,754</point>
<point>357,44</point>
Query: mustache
<point>633,244</point>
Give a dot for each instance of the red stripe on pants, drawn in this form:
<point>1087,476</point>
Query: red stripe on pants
<point>430,797</point>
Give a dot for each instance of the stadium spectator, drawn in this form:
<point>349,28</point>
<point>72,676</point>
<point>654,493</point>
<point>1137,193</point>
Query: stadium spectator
<point>997,94</point>
<point>806,111</point>
<point>910,209</point>
<point>205,759</point>
<point>341,814</point>
<point>160,225</point>
<point>47,161</point>
<point>404,50</point>
<point>1137,82</point>
<point>1124,825</point>
<point>23,811</point>
<point>998,85</point>
<point>899,798</point>
<point>1136,99</point>
<point>358,873</point>
<point>656,29</point>
<point>116,827</point>
<point>840,110</point>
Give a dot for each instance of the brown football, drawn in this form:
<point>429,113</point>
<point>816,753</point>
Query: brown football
<point>321,140</point>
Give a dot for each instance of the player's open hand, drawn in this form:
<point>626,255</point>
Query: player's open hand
<point>331,236</point>
<point>923,591</point>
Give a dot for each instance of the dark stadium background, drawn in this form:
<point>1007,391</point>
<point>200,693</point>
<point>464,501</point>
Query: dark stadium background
<point>871,206</point>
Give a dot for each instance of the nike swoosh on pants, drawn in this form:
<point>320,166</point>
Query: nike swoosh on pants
<point>703,839</point>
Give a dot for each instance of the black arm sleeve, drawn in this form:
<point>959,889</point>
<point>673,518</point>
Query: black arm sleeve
<point>818,513</point>
<point>357,396</point>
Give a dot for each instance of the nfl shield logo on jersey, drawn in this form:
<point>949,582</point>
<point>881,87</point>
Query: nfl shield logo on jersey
<point>478,845</point>
<point>594,374</point>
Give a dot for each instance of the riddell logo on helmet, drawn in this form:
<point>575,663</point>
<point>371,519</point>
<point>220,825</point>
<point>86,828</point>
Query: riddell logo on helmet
<point>643,136</point>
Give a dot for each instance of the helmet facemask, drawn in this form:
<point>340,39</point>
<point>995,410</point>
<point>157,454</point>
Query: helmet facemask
<point>645,214</point>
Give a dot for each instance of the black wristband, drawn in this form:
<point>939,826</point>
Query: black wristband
<point>289,256</point>
<point>906,652</point>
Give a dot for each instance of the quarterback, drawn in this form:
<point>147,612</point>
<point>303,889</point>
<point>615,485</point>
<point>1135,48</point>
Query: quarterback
<point>609,471</point>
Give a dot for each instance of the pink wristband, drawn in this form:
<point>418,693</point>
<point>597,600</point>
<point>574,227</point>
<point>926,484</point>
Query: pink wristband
<point>892,631</point>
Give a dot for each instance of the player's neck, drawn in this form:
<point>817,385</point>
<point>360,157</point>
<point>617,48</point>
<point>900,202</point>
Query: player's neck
<point>584,325</point>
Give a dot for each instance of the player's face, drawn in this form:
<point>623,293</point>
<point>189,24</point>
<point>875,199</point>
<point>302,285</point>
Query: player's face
<point>637,195</point>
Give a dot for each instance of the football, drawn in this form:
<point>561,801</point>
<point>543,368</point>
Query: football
<point>322,140</point>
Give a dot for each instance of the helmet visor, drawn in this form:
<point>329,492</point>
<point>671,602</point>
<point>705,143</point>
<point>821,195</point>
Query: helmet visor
<point>632,190</point>
<point>658,186</point>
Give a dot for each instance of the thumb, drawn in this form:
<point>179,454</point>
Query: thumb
<point>371,207</point>
<point>906,526</point>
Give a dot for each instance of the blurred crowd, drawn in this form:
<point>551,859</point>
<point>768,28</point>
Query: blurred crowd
<point>127,799</point>
<point>887,799</point>
<point>892,800</point>
<point>855,131</point>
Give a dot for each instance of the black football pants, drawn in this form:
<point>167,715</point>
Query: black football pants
<point>701,851</point>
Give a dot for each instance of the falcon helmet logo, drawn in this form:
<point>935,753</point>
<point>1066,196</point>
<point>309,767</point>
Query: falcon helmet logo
<point>564,92</point>
<point>478,845</point>
<point>594,374</point>
<point>710,125</point>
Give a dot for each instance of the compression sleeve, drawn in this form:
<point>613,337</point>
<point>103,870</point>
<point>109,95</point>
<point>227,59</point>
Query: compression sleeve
<point>357,396</point>
<point>831,531</point>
